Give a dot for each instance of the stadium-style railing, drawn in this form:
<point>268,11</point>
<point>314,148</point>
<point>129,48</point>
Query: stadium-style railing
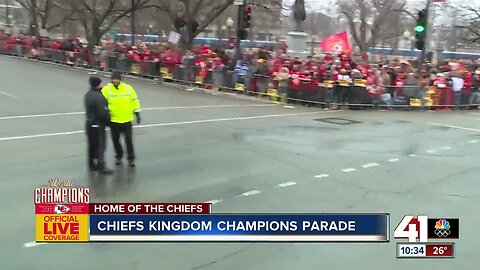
<point>354,94</point>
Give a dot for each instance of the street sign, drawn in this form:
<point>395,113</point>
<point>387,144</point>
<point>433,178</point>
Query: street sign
<point>238,2</point>
<point>174,37</point>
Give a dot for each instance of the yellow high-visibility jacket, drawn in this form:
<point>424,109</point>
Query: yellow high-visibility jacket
<point>122,102</point>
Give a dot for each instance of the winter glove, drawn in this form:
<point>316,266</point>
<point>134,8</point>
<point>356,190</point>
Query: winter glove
<point>139,120</point>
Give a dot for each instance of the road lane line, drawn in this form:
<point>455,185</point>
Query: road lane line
<point>214,201</point>
<point>347,170</point>
<point>473,141</point>
<point>289,107</point>
<point>9,95</point>
<point>167,124</point>
<point>446,147</point>
<point>452,126</point>
<point>393,160</point>
<point>41,135</point>
<point>251,193</point>
<point>144,109</point>
<point>33,244</point>
<point>287,184</point>
<point>431,151</point>
<point>369,165</point>
<point>322,175</point>
<point>412,155</point>
<point>39,115</point>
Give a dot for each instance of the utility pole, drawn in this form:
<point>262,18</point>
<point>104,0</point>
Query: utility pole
<point>132,22</point>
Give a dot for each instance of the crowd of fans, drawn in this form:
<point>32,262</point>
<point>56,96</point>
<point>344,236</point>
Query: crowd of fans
<point>387,82</point>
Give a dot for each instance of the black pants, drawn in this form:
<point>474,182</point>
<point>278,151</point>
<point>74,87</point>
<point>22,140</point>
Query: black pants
<point>96,145</point>
<point>126,129</point>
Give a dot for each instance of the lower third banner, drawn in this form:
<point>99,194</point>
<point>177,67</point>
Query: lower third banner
<point>241,228</point>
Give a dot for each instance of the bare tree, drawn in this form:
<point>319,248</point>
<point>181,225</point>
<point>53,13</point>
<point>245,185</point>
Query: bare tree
<point>372,20</point>
<point>191,17</point>
<point>469,23</point>
<point>98,16</point>
<point>40,14</point>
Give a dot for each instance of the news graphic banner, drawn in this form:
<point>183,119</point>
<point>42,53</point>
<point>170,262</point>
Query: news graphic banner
<point>61,212</point>
<point>64,214</point>
<point>239,227</point>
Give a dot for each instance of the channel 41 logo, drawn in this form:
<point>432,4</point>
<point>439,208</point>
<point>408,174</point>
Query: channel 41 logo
<point>422,229</point>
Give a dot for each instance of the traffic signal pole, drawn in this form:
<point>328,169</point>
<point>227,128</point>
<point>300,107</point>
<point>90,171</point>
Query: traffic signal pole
<point>241,10</point>
<point>427,33</point>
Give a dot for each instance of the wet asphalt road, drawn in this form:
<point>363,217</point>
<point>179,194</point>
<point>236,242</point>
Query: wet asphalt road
<point>199,147</point>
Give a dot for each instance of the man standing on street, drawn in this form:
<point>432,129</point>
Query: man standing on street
<point>123,104</point>
<point>98,117</point>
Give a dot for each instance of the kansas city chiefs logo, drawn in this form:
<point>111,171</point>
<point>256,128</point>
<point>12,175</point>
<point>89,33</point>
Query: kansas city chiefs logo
<point>61,209</point>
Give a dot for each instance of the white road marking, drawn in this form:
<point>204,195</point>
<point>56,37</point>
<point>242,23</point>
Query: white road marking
<point>370,165</point>
<point>33,244</point>
<point>473,141</point>
<point>289,107</point>
<point>9,95</point>
<point>451,126</point>
<point>287,184</point>
<point>214,201</point>
<point>431,151</point>
<point>322,175</point>
<point>144,109</point>
<point>166,124</point>
<point>446,147</point>
<point>41,135</point>
<point>251,193</point>
<point>393,160</point>
<point>412,155</point>
<point>347,170</point>
<point>228,119</point>
<point>38,115</point>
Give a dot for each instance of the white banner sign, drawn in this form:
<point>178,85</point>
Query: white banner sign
<point>174,37</point>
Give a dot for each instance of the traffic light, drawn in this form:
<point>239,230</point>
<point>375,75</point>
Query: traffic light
<point>421,29</point>
<point>247,17</point>
<point>245,25</point>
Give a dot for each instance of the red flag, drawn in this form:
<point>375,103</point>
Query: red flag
<point>336,43</point>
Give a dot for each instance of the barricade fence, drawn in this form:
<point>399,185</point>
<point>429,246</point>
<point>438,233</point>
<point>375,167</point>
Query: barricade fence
<point>295,89</point>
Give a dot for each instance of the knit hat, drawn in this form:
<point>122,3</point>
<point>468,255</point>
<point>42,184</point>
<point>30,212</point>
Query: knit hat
<point>95,81</point>
<point>116,75</point>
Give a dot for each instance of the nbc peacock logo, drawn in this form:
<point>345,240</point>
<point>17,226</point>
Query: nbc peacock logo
<point>442,228</point>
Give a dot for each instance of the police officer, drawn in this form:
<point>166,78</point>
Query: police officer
<point>123,104</point>
<point>98,117</point>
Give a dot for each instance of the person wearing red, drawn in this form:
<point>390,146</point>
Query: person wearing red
<point>467,87</point>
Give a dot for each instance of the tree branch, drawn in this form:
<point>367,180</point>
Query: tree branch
<point>213,14</point>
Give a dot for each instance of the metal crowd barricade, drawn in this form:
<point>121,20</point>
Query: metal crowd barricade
<point>328,93</point>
